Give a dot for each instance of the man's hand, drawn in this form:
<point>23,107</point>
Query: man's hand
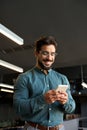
<point>52,95</point>
<point>62,97</point>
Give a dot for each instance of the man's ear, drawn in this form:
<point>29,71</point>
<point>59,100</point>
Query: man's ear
<point>35,53</point>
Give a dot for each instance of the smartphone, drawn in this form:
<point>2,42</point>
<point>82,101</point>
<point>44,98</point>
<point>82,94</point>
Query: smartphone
<point>62,88</point>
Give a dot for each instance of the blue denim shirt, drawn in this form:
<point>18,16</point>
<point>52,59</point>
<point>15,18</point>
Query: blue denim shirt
<point>29,101</point>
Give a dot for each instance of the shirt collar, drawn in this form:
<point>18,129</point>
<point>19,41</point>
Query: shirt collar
<point>41,70</point>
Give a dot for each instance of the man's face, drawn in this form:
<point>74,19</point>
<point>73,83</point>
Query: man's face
<point>46,56</point>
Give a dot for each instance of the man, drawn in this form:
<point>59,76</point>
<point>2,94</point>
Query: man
<point>36,98</point>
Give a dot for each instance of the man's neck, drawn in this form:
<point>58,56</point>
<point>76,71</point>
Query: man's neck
<point>44,71</point>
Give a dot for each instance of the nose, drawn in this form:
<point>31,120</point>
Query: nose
<point>49,56</point>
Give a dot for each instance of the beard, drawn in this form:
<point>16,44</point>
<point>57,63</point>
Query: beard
<point>43,66</point>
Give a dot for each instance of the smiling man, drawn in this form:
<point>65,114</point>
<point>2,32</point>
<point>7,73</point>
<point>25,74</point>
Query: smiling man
<point>36,98</point>
<point>45,54</point>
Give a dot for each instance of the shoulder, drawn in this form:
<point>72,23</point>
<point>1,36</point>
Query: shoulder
<point>60,76</point>
<point>25,75</point>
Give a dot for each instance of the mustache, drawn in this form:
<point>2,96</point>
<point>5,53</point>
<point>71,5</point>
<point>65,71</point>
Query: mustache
<point>48,60</point>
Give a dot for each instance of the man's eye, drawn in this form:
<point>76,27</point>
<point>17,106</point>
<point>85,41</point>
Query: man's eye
<point>45,53</point>
<point>53,54</point>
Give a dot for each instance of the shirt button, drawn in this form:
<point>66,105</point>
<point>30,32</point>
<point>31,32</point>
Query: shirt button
<point>47,85</point>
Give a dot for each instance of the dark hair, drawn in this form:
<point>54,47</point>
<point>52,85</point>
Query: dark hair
<point>50,40</point>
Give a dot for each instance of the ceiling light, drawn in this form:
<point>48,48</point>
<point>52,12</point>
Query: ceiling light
<point>11,35</point>
<point>11,66</point>
<point>84,84</point>
<point>6,86</point>
<point>6,90</point>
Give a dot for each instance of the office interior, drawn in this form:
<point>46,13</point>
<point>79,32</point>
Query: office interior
<point>67,21</point>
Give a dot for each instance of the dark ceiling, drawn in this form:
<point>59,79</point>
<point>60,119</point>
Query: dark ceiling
<point>30,19</point>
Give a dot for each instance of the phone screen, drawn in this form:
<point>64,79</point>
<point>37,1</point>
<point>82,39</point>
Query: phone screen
<point>62,88</point>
